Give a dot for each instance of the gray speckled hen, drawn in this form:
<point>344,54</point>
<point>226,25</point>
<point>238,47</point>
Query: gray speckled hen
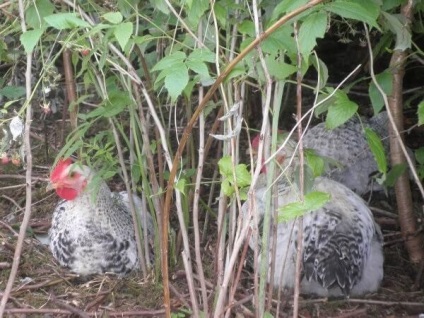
<point>348,146</point>
<point>342,245</point>
<point>92,232</point>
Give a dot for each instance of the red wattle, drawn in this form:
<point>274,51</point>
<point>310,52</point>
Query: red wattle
<point>67,193</point>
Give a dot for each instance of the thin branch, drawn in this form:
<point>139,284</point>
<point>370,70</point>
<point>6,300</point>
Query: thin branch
<point>196,208</point>
<point>27,143</point>
<point>130,199</point>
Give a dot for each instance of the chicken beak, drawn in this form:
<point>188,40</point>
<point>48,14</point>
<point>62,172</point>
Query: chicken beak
<point>252,151</point>
<point>51,186</point>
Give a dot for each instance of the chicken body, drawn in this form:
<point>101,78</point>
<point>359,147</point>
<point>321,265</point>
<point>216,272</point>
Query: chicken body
<point>342,246</point>
<point>348,147</point>
<point>94,232</point>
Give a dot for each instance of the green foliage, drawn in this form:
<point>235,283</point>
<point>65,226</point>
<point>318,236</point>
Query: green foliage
<point>419,156</point>
<point>377,149</point>
<point>396,25</point>
<point>30,38</point>
<point>314,162</point>
<point>313,27</point>
<point>12,92</point>
<point>385,81</point>
<point>394,173</point>
<point>360,10</point>
<point>234,176</point>
<point>341,111</point>
<point>420,113</point>
<point>35,13</point>
<point>311,201</point>
<point>174,69</point>
<point>63,21</point>
<point>122,33</point>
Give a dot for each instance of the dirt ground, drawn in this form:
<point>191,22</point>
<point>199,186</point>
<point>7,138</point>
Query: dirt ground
<point>44,289</point>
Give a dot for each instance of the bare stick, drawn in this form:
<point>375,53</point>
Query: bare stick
<point>130,199</point>
<point>27,141</point>
<point>196,208</point>
<point>301,173</point>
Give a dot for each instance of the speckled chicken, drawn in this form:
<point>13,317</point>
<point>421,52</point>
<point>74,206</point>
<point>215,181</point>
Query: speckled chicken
<point>342,245</point>
<point>348,146</point>
<point>92,228</point>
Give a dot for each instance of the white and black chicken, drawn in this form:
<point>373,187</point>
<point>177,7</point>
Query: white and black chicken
<point>342,245</point>
<point>92,229</point>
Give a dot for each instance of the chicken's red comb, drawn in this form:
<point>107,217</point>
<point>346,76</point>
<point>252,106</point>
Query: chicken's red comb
<point>255,141</point>
<point>57,171</point>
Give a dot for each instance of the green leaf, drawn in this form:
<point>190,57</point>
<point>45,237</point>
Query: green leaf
<point>394,174</point>
<point>99,111</point>
<point>244,193</point>
<point>30,38</point>
<point>360,10</point>
<point>227,188</point>
<point>324,105</point>
<point>181,185</point>
<point>419,155</point>
<point>198,67</point>
<point>287,6</point>
<point>108,174</point>
<point>36,11</point>
<point>312,28</point>
<point>403,36</point>
<point>279,69</point>
<point>243,177</point>
<point>12,92</point>
<point>322,70</point>
<point>123,33</point>
<point>161,6</point>
<point>176,81</point>
<point>420,113</point>
<point>312,201</point>
<point>384,79</point>
<point>341,111</point>
<point>112,109</point>
<point>308,178</point>
<point>203,55</point>
<point>221,14</point>
<point>196,11</point>
<point>315,162</point>
<point>247,27</point>
<point>113,17</point>
<point>136,173</point>
<point>225,166</point>
<point>63,21</point>
<point>115,104</point>
<point>390,4</point>
<point>420,171</point>
<point>169,61</point>
<point>267,314</point>
<point>377,149</point>
<point>238,70</point>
